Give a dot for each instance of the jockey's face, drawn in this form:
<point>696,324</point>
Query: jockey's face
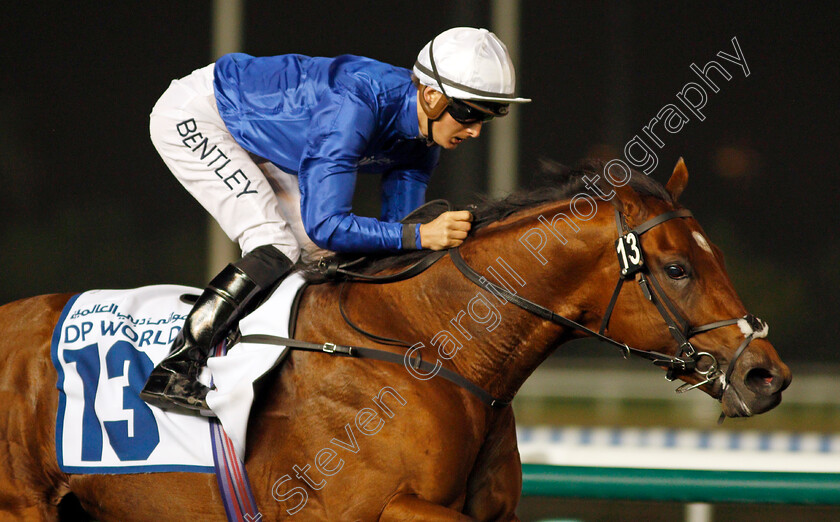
<point>448,133</point>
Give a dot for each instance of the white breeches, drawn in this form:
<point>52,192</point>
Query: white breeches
<point>253,201</point>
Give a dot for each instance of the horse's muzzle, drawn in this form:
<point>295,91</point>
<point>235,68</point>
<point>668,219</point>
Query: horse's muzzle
<point>757,385</point>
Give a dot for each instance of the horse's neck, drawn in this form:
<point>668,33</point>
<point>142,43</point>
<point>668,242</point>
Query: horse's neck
<point>510,343</point>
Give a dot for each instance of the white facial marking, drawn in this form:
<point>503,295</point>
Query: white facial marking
<point>747,330</point>
<point>702,241</point>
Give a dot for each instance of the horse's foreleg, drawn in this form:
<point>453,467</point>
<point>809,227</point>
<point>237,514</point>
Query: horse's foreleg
<point>408,507</point>
<point>496,481</point>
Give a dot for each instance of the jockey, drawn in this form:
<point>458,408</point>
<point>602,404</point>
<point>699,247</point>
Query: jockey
<point>271,146</point>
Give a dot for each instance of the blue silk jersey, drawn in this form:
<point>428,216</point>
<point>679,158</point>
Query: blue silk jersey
<point>325,119</point>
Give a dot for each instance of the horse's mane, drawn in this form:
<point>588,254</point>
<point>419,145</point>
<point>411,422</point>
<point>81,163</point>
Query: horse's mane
<point>554,182</point>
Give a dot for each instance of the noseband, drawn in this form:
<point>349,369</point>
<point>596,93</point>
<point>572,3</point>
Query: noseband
<point>631,262</point>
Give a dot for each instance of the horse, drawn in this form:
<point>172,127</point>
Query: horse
<point>344,438</point>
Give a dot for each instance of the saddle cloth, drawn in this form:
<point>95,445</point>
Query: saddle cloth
<point>105,345</point>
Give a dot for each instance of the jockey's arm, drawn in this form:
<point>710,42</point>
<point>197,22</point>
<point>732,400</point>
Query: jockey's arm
<point>402,192</point>
<point>327,178</point>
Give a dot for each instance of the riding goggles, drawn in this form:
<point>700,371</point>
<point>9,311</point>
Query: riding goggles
<point>467,112</point>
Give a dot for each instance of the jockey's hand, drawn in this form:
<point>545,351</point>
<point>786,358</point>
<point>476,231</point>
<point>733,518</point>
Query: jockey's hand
<point>446,231</point>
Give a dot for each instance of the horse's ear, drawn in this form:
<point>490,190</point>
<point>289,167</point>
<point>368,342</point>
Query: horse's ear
<point>628,202</point>
<point>678,181</point>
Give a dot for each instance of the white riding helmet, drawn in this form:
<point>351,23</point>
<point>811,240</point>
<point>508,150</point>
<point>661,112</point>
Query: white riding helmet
<point>468,64</point>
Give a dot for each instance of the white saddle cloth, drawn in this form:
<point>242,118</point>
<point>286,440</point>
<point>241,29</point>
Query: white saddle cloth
<point>104,347</point>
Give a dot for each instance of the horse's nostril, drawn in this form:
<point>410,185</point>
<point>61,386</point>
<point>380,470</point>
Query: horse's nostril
<point>761,380</point>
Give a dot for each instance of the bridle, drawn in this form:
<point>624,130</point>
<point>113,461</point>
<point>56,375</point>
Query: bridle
<point>684,362</point>
<point>677,324</point>
<point>687,357</point>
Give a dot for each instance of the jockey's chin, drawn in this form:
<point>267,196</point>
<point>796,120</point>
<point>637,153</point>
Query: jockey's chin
<point>449,133</point>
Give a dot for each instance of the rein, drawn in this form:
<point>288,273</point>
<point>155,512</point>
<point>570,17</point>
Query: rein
<point>685,361</point>
<point>331,269</point>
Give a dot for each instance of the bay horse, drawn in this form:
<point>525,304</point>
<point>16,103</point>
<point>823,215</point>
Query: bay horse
<point>340,438</point>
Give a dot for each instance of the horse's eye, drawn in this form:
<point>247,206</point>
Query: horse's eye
<point>675,271</point>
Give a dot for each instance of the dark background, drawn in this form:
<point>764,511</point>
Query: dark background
<point>87,203</point>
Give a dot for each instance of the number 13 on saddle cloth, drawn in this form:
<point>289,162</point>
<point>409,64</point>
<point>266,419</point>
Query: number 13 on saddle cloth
<point>104,347</point>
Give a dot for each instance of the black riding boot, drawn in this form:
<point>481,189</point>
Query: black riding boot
<point>235,292</point>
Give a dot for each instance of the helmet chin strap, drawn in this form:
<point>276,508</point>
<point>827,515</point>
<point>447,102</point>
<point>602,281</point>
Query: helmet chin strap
<point>433,113</point>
